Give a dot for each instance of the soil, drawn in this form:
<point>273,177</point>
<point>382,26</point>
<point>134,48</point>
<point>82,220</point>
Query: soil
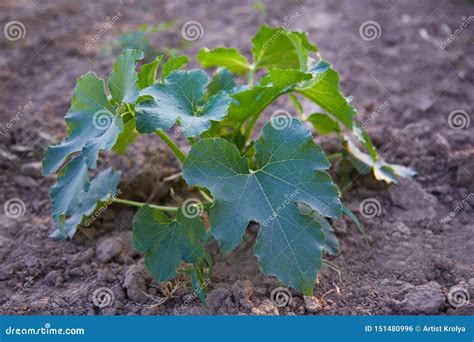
<point>404,77</point>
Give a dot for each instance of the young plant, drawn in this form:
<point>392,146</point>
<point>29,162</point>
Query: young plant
<point>279,180</point>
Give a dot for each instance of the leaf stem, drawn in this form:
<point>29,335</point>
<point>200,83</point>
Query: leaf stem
<point>205,195</point>
<point>140,204</point>
<point>171,144</point>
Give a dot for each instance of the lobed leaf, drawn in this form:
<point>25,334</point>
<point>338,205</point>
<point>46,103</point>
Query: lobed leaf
<point>92,125</point>
<point>290,169</point>
<point>381,169</point>
<point>165,242</point>
<point>181,98</point>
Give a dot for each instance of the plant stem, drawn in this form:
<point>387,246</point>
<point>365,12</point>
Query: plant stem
<point>249,129</point>
<point>140,204</point>
<point>334,156</point>
<point>251,75</point>
<point>171,144</point>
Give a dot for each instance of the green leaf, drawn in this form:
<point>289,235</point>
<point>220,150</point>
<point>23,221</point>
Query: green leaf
<point>92,125</point>
<point>275,47</point>
<point>172,64</point>
<point>65,194</point>
<point>253,101</point>
<point>221,81</point>
<point>290,169</point>
<point>147,74</point>
<point>101,189</point>
<point>123,78</point>
<point>323,124</point>
<point>229,58</point>
<point>347,212</point>
<point>165,242</point>
<point>323,89</point>
<point>305,41</point>
<point>199,286</point>
<point>181,98</point>
<point>381,169</point>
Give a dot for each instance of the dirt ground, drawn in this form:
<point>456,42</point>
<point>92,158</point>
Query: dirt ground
<point>404,85</point>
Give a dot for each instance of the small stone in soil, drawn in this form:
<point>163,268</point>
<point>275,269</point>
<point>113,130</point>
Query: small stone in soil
<point>266,308</point>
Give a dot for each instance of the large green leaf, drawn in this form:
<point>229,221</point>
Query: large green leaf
<point>229,58</point>
<point>290,169</point>
<point>181,97</point>
<point>275,47</point>
<point>92,125</point>
<point>101,189</point>
<point>65,194</point>
<point>123,78</point>
<point>323,89</point>
<point>165,242</point>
